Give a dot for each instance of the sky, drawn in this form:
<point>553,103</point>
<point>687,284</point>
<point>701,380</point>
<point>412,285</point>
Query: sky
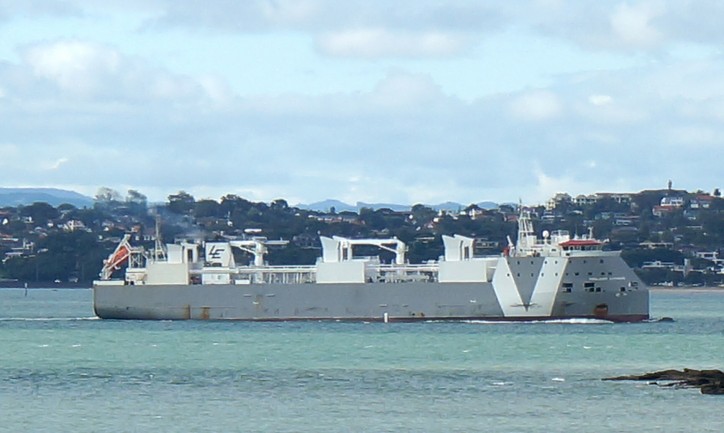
<point>406,101</point>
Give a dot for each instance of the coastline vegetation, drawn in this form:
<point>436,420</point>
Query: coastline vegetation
<point>43,243</point>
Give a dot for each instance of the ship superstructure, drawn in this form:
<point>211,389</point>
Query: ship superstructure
<point>556,276</point>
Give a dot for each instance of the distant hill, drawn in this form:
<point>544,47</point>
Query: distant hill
<point>53,196</point>
<point>339,206</point>
<point>326,205</point>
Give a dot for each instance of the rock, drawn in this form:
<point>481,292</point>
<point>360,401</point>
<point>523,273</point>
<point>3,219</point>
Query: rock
<point>708,381</point>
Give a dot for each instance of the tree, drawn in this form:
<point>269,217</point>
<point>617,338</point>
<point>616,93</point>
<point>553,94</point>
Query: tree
<point>375,220</point>
<point>207,208</point>
<point>40,213</point>
<point>107,199</point>
<point>181,203</point>
<point>232,202</point>
<point>279,204</point>
<point>136,197</point>
<point>422,214</point>
<point>107,195</point>
<point>66,207</point>
<point>137,203</point>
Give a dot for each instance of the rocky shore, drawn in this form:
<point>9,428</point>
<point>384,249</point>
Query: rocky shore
<point>708,381</point>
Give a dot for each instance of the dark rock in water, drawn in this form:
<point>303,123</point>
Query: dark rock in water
<point>708,381</point>
<point>665,319</point>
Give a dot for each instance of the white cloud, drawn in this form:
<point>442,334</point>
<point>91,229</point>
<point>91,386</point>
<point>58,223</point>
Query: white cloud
<point>290,11</point>
<point>600,100</point>
<point>404,141</point>
<point>93,72</point>
<point>377,42</point>
<point>605,110</point>
<point>400,89</point>
<point>93,108</point>
<point>632,25</point>
<point>34,9</point>
<point>55,165</point>
<point>216,89</point>
<point>536,106</point>
<point>75,66</point>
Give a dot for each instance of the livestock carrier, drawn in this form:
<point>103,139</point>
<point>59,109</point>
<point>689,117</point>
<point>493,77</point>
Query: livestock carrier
<point>556,276</point>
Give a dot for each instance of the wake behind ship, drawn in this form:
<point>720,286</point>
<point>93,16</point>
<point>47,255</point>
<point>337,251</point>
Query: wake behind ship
<point>553,277</point>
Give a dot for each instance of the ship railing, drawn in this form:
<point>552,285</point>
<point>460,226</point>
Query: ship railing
<point>274,274</point>
<point>409,267</point>
<point>590,253</point>
<point>560,252</point>
<point>392,273</point>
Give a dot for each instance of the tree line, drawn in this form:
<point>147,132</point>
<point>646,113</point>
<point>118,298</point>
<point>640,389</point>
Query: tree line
<point>63,253</point>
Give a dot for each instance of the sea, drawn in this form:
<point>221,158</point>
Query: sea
<point>64,370</point>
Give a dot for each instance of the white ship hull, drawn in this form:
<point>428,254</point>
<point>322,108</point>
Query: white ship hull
<point>530,288</point>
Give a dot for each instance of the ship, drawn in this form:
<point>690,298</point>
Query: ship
<point>551,277</point>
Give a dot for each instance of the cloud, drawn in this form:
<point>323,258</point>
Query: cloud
<point>418,28</point>
<point>91,71</point>
<point>355,28</point>
<point>93,111</point>
<point>536,106</point>
<point>374,43</point>
<point>76,67</point>
<point>399,89</point>
<point>645,26</point>
<point>54,165</point>
<point>600,100</point>
<point>633,26</point>
<point>326,15</point>
<point>10,9</point>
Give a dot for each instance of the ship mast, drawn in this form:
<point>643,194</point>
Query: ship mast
<point>526,236</point>
<point>159,250</point>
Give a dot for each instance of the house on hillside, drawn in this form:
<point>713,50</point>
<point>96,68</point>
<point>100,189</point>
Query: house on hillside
<point>701,201</point>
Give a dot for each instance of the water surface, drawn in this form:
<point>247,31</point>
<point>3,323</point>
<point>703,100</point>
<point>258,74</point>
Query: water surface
<point>62,369</point>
